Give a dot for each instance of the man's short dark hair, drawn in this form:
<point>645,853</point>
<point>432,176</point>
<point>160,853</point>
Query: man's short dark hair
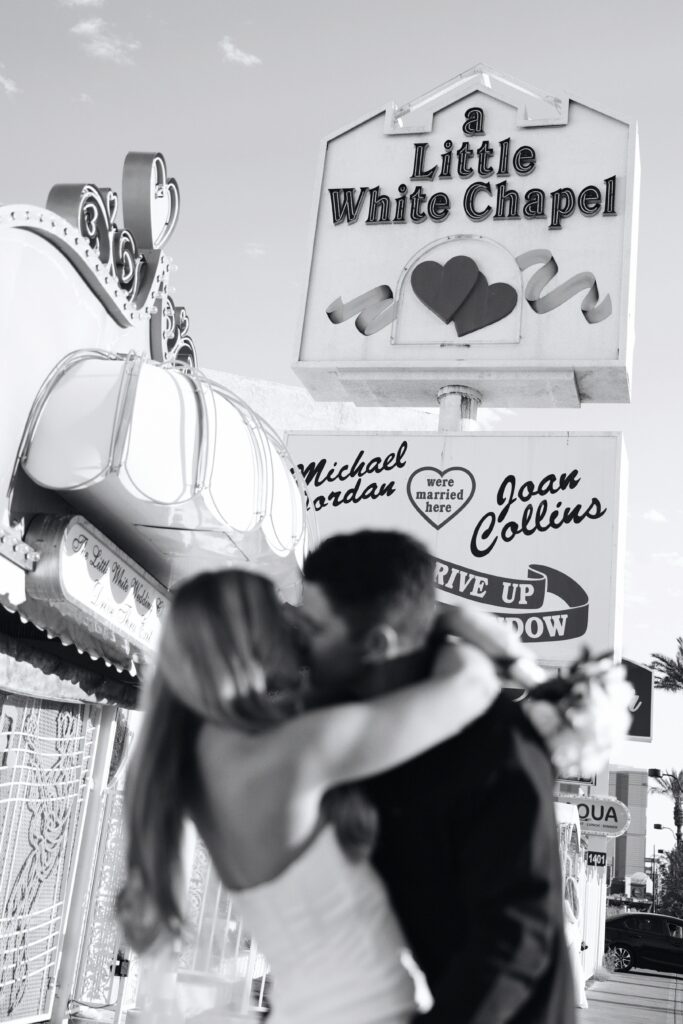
<point>376,576</point>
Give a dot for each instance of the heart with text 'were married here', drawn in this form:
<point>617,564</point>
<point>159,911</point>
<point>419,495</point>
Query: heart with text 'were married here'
<point>459,293</point>
<point>440,494</point>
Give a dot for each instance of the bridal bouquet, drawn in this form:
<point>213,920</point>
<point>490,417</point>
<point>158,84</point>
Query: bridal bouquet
<point>581,714</point>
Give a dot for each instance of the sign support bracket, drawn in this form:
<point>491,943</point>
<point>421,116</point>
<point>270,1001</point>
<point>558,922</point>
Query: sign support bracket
<point>458,406</point>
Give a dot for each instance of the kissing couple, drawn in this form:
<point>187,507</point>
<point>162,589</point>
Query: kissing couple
<point>378,810</point>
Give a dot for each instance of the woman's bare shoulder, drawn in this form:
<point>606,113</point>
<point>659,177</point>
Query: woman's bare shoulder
<point>248,787</point>
<point>227,757</point>
<point>215,745</point>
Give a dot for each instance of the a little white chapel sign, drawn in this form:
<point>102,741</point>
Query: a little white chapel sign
<point>482,234</point>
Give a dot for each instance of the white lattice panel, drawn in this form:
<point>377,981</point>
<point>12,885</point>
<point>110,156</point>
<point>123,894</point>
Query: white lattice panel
<point>45,763</point>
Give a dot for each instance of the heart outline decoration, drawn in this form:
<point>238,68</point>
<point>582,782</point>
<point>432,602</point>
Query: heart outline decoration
<point>457,292</point>
<point>151,200</point>
<point>440,474</point>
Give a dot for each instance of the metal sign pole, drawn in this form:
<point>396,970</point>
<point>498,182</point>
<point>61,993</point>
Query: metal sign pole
<point>458,406</point>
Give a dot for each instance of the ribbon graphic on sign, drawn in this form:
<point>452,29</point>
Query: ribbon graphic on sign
<point>473,304</point>
<point>522,599</point>
<point>593,310</point>
<point>373,310</point>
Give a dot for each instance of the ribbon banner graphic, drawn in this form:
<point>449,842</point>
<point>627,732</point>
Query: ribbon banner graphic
<point>459,293</point>
<point>592,308</point>
<point>522,599</point>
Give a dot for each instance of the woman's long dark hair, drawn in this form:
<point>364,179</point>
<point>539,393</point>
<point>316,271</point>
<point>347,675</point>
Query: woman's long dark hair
<point>225,655</point>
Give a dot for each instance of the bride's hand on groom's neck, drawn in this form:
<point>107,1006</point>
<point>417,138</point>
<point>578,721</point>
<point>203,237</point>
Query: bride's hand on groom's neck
<point>455,660</point>
<point>493,637</point>
<point>479,629</point>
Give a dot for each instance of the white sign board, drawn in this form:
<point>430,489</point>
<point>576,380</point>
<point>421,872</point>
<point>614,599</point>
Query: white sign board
<point>600,815</point>
<point>484,235</point>
<point>525,525</point>
<point>85,577</point>
<point>101,581</point>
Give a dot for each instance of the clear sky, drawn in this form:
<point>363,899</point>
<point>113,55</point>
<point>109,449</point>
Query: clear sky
<point>238,94</point>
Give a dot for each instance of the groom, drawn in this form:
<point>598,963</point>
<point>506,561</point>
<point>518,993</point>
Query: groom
<point>467,842</point>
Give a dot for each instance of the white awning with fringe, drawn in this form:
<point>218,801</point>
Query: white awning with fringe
<point>177,471</point>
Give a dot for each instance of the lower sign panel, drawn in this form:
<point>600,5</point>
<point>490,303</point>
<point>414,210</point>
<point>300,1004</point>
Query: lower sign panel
<point>525,525</point>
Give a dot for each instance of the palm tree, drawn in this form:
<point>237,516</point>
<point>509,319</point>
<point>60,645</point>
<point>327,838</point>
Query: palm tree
<point>671,784</point>
<point>669,671</point>
<point>670,899</point>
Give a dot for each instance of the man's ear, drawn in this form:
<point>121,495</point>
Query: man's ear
<point>380,644</point>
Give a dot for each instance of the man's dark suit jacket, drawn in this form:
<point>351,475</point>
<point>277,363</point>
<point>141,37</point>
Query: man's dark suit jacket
<point>468,849</point>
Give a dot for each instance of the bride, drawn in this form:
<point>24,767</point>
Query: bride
<point>226,743</point>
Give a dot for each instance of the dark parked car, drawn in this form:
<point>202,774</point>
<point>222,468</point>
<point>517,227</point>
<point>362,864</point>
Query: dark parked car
<point>646,940</point>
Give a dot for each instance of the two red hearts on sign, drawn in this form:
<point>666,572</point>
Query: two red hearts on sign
<point>459,293</point>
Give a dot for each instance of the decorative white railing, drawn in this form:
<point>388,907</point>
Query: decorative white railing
<point>218,951</point>
<point>45,765</point>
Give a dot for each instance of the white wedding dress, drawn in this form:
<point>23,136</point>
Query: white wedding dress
<point>335,947</point>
